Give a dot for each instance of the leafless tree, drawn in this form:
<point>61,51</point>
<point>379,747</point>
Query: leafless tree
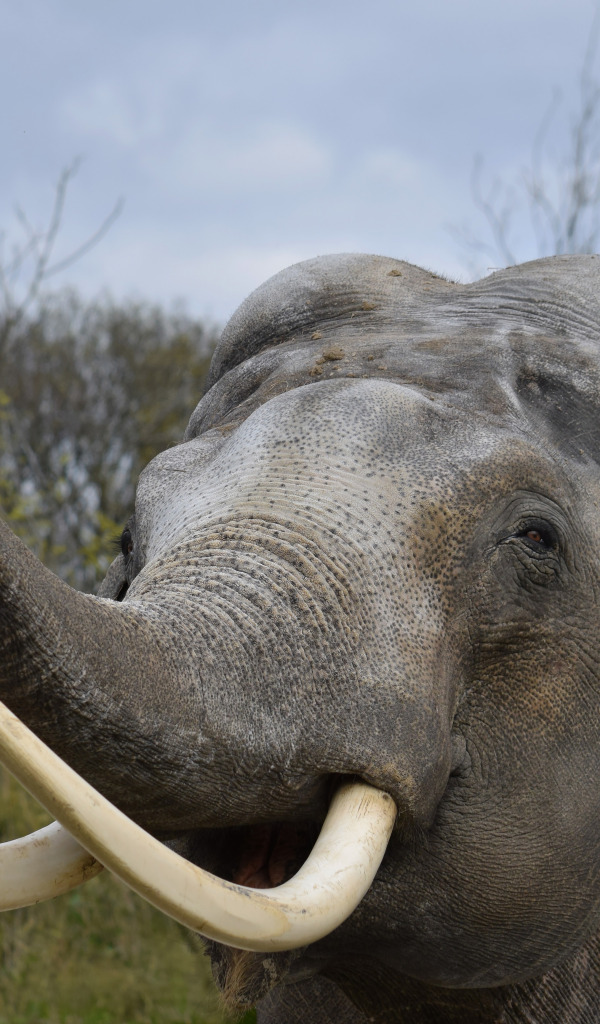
<point>559,196</point>
<point>26,269</point>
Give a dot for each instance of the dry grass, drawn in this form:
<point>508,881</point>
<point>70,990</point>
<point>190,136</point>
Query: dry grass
<point>99,955</point>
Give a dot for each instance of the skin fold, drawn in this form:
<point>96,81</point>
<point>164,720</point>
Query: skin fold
<point>374,555</point>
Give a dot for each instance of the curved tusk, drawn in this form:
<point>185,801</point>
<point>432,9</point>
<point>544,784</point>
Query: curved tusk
<point>323,893</point>
<point>45,864</point>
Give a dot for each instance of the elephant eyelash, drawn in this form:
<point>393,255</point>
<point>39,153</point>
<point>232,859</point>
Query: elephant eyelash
<point>124,543</point>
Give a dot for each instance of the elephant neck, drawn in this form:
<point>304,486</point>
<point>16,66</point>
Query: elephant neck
<point>569,994</point>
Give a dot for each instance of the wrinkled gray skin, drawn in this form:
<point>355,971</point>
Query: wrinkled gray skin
<point>375,554</point>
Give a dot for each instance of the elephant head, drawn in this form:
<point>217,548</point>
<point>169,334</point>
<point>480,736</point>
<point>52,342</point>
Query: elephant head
<point>361,595</point>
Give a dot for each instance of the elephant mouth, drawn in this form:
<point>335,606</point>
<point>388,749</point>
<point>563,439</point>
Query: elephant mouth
<point>304,908</point>
<point>272,854</point>
<point>260,856</point>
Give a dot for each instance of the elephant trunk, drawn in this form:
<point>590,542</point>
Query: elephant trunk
<point>97,681</point>
<point>100,682</point>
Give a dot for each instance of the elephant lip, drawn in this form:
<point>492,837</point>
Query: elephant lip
<point>269,855</point>
<point>264,855</point>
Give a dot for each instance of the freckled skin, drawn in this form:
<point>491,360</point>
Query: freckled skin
<point>375,555</point>
<point>459,627</point>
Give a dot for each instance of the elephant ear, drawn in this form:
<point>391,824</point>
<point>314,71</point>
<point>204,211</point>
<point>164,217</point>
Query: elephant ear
<point>315,292</point>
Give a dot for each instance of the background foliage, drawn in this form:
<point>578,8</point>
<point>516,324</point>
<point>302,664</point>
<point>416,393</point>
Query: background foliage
<point>98,955</point>
<point>89,393</point>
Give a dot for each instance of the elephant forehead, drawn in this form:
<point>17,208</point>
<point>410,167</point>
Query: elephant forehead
<point>346,453</point>
<point>357,421</point>
<point>367,428</point>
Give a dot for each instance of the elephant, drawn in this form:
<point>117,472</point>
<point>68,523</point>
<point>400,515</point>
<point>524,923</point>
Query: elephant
<point>344,673</point>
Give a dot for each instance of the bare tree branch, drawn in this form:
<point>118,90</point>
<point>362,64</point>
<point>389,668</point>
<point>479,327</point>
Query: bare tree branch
<point>37,248</point>
<point>561,197</point>
<point>497,207</point>
<point>91,242</point>
<point>34,253</point>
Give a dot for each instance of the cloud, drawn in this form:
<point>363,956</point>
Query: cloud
<point>162,266</point>
<point>105,110</point>
<point>268,156</point>
<point>246,137</point>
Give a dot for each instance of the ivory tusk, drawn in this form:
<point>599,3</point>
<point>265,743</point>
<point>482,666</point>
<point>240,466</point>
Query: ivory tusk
<point>323,893</point>
<point>45,864</point>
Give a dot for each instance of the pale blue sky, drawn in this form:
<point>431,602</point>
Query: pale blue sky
<point>244,136</point>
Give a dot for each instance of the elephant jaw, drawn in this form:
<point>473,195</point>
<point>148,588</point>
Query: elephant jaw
<point>320,896</point>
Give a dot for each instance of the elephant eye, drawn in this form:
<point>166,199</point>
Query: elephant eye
<point>539,535</point>
<point>535,549</point>
<point>126,543</point>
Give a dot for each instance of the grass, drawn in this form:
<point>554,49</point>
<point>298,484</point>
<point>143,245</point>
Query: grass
<point>98,955</point>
